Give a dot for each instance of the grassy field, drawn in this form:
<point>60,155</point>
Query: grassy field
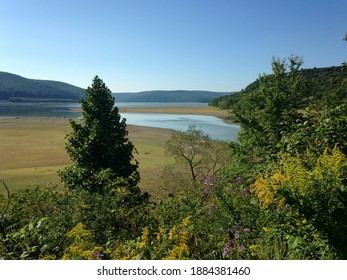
<point>32,149</point>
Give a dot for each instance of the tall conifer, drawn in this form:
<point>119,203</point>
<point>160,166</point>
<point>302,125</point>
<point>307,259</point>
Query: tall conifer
<point>99,142</point>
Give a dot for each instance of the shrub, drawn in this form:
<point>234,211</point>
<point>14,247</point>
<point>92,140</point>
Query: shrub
<point>313,188</point>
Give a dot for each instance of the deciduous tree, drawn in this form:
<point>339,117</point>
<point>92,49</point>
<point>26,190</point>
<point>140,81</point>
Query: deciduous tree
<point>197,153</point>
<point>268,114</point>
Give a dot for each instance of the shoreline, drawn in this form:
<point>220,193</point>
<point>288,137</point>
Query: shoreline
<point>9,120</point>
<point>169,109</point>
<point>206,110</point>
<point>196,110</point>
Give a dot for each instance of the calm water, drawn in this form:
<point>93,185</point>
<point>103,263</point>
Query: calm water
<point>39,109</point>
<point>213,126</point>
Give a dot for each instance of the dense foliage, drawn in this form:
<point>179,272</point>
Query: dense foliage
<point>99,144</point>
<point>323,82</point>
<point>280,192</point>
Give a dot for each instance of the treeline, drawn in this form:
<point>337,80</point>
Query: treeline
<point>322,82</point>
<point>168,96</point>
<point>280,192</point>
<point>16,88</point>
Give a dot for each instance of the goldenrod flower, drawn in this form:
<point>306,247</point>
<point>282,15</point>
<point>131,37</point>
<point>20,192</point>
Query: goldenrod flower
<point>265,229</point>
<point>186,221</point>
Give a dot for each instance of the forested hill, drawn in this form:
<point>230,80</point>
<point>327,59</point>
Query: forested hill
<point>17,88</point>
<point>320,80</point>
<point>168,96</point>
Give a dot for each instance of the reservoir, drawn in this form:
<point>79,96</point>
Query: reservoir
<point>213,126</point>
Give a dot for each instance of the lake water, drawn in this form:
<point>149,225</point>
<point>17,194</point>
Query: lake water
<point>213,126</point>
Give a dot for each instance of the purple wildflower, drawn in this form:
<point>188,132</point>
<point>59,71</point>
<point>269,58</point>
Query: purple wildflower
<point>244,191</point>
<point>236,235</point>
<point>206,191</point>
<point>240,248</point>
<point>99,255</point>
<point>207,180</point>
<point>225,250</point>
<point>246,230</point>
<point>238,180</point>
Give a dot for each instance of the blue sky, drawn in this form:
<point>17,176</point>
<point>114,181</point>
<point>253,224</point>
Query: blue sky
<point>135,45</point>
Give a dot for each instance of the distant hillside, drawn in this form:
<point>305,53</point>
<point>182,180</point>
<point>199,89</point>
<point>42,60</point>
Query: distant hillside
<point>321,80</point>
<point>168,96</point>
<point>17,88</point>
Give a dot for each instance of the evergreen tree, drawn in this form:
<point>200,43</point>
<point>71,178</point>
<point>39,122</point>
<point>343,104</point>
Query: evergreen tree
<point>99,143</point>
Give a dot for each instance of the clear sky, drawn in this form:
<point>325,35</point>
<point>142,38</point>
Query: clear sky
<point>136,45</point>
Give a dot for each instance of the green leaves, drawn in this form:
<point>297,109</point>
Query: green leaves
<point>197,153</point>
<point>99,141</point>
<point>267,114</point>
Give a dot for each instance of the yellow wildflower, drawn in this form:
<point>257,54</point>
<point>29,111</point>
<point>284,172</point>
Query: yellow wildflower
<point>186,221</point>
<point>144,237</point>
<point>265,229</point>
<point>172,232</point>
<point>160,234</point>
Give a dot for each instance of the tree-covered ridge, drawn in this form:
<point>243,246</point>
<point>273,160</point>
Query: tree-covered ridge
<point>288,112</point>
<point>17,88</point>
<point>322,82</point>
<point>168,96</point>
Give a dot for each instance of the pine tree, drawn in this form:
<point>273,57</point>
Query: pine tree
<point>98,144</point>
